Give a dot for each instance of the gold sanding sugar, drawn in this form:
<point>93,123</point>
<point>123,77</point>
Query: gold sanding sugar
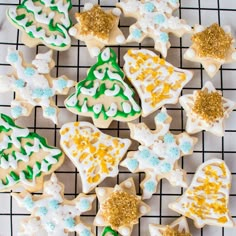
<point>120,209</point>
<point>171,232</point>
<point>212,42</point>
<point>208,105</point>
<point>96,22</point>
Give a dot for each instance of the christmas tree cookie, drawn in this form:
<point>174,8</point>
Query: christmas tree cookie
<point>158,153</point>
<point>33,84</point>
<point>120,207</point>
<point>25,157</point>
<point>156,81</point>
<point>97,28</point>
<point>95,154</point>
<point>43,21</point>
<point>154,20</point>
<point>206,199</point>
<point>52,214</point>
<point>103,95</point>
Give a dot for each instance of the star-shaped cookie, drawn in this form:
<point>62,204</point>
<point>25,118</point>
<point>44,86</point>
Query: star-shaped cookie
<point>97,28</point>
<point>154,20</point>
<point>212,46</point>
<point>206,109</point>
<point>120,207</point>
<point>177,227</point>
<point>158,153</point>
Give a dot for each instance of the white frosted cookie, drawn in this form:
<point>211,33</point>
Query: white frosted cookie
<point>95,154</point>
<point>154,20</point>
<point>212,46</point>
<point>158,154</point>
<point>178,227</point>
<point>156,81</point>
<point>52,214</point>
<point>120,207</point>
<point>206,109</point>
<point>206,199</point>
<point>25,157</point>
<point>33,84</point>
<point>97,28</point>
<point>104,95</point>
<point>43,21</point>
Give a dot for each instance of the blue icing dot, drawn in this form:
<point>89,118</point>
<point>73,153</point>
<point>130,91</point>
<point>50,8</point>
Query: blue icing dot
<point>29,71</point>
<point>154,161</point>
<point>174,152</point>
<point>51,226</point>
<point>85,232</point>
<point>28,202</point>
<point>145,153</point>
<point>42,211</point>
<point>37,93</point>
<point>50,111</point>
<point>16,111</point>
<point>19,83</point>
<point>150,186</point>
<point>164,37</point>
<point>84,205</point>
<point>137,33</point>
<point>54,204</point>
<point>13,57</point>
<point>149,7</point>
<point>159,19</point>
<point>70,222</point>
<point>132,164</point>
<point>165,167</point>
<point>169,138</point>
<point>61,83</point>
<point>47,92</point>
<point>186,147</point>
<point>161,117</point>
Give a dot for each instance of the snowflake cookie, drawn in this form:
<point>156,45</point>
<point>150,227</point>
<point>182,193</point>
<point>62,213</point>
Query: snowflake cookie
<point>177,228</point>
<point>51,213</point>
<point>97,28</point>
<point>212,47</point>
<point>206,109</point>
<point>43,21</point>
<point>104,95</point>
<point>154,20</point>
<point>158,153</point>
<point>206,199</point>
<point>33,85</point>
<point>95,154</point>
<point>25,157</point>
<point>120,207</point>
<point>156,81</point>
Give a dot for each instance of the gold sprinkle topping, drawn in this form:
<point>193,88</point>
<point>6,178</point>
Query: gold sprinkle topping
<point>212,42</point>
<point>171,232</point>
<point>208,106</point>
<point>96,22</point>
<point>121,209</point>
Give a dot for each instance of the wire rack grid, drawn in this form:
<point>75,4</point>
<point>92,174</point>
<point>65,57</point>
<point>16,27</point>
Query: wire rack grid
<point>75,62</point>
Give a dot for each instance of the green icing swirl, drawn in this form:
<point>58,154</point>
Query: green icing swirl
<point>107,230</point>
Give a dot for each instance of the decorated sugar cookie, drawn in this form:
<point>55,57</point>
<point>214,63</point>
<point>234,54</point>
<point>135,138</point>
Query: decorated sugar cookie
<point>97,28</point>
<point>177,228</point>
<point>43,21</point>
<point>154,20</point>
<point>33,85</point>
<point>206,199</point>
<point>51,213</point>
<point>95,154</point>
<point>156,81</point>
<point>158,153</point>
<point>206,109</point>
<point>104,95</point>
<point>212,46</point>
<point>25,157</point>
<point>120,207</point>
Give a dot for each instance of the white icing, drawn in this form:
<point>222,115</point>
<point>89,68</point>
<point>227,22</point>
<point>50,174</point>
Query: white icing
<point>99,220</point>
<point>120,39</point>
<point>116,11</point>
<point>106,54</point>
<point>92,91</point>
<point>191,53</point>
<point>128,184</point>
<point>95,51</point>
<point>233,56</point>
<point>126,107</point>
<point>84,108</point>
<point>88,6</point>
<point>211,68</point>
<point>112,110</point>
<point>227,29</point>
<point>199,28</point>
<point>97,108</point>
<point>113,92</point>
<point>42,61</point>
<point>125,231</point>
<point>100,191</point>
<point>73,31</point>
<point>143,209</point>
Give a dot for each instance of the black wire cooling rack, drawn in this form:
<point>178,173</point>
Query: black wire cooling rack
<point>75,62</point>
